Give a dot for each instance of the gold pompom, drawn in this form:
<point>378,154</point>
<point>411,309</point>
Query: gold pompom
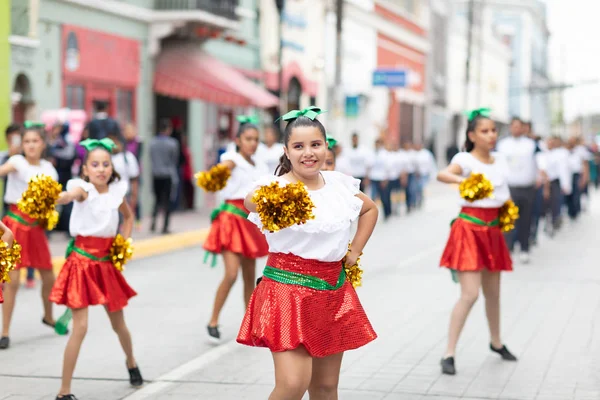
<point>9,258</point>
<point>39,200</point>
<point>121,252</point>
<point>476,187</point>
<point>280,207</point>
<point>354,272</point>
<point>214,179</point>
<point>509,214</point>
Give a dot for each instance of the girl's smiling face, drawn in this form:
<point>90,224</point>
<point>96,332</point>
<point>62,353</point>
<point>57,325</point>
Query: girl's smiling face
<point>306,150</point>
<point>98,167</point>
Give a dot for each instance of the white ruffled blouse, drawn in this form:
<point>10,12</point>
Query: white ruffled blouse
<point>98,215</point>
<point>326,237</point>
<point>242,176</point>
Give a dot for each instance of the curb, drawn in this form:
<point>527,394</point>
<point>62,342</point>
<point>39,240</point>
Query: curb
<point>156,246</point>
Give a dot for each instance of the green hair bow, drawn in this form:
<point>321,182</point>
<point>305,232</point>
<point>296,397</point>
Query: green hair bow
<point>310,112</point>
<point>247,119</point>
<point>484,112</point>
<point>91,144</point>
<point>331,142</point>
<point>33,125</point>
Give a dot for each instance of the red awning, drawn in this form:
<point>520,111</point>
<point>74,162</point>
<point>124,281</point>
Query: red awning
<point>187,72</point>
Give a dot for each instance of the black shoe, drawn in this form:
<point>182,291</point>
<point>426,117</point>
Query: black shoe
<point>504,353</point>
<point>4,342</point>
<point>135,377</point>
<point>66,397</point>
<point>52,325</point>
<point>448,366</point>
<point>214,334</point>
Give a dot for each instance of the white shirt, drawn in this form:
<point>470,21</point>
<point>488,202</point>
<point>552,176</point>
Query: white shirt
<point>127,170</point>
<point>242,176</point>
<point>497,173</point>
<point>98,215</point>
<point>270,155</point>
<point>560,155</point>
<point>425,162</point>
<point>381,167</point>
<point>576,159</point>
<point>400,162</point>
<point>17,181</point>
<point>326,237</point>
<point>359,159</point>
<point>342,164</point>
<point>520,155</point>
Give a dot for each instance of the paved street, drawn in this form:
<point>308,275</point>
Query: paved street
<point>551,309</point>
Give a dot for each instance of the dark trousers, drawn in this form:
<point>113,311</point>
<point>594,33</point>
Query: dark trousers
<point>362,183</point>
<point>410,191</point>
<point>381,190</point>
<point>162,194</point>
<point>555,202</point>
<point>537,212</point>
<point>524,198</point>
<point>573,200</point>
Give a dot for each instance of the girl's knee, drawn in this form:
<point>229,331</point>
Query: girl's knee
<point>293,385</point>
<point>323,388</point>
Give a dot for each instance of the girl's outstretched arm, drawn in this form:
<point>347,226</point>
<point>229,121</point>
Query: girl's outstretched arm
<point>75,194</point>
<point>366,225</point>
<point>451,174</point>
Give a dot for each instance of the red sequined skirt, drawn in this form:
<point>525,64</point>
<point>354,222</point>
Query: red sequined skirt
<point>472,247</point>
<point>236,234</point>
<point>285,316</point>
<point>35,251</point>
<point>84,282</point>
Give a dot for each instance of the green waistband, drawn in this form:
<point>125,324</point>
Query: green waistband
<point>230,208</point>
<point>294,278</point>
<point>476,221</point>
<point>71,248</point>
<point>21,220</point>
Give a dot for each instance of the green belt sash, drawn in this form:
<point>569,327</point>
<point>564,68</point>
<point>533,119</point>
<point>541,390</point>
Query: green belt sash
<point>21,220</point>
<point>295,278</point>
<point>228,208</point>
<point>71,248</point>
<point>476,221</point>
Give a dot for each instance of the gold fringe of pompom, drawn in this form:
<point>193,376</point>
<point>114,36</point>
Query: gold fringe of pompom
<point>509,214</point>
<point>9,258</point>
<point>39,200</point>
<point>476,187</point>
<point>121,252</point>
<point>280,207</point>
<point>214,179</point>
<point>354,272</point>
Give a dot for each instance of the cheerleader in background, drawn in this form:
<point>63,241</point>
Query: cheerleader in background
<point>35,253</point>
<point>88,276</point>
<point>8,238</point>
<point>231,234</point>
<point>330,156</point>
<point>476,249</point>
<point>304,310</point>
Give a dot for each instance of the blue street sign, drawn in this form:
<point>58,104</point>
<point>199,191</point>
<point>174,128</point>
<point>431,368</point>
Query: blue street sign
<point>390,77</point>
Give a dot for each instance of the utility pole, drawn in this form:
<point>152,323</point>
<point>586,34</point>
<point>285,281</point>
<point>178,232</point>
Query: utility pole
<point>338,104</point>
<point>280,7</point>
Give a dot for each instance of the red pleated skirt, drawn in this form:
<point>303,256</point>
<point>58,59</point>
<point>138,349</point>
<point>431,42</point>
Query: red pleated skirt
<point>283,316</point>
<point>471,247</point>
<point>83,282</point>
<point>236,234</point>
<point>35,250</point>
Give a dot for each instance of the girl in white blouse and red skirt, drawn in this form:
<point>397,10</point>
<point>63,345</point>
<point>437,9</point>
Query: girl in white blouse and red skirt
<point>476,250</point>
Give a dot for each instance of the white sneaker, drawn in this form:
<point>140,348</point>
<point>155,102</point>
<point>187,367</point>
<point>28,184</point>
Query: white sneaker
<point>524,258</point>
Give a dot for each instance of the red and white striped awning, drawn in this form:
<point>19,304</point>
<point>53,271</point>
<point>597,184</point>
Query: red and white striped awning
<point>187,72</point>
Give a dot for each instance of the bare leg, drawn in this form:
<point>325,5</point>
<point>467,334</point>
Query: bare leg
<point>293,371</point>
<point>470,282</point>
<point>249,277</point>
<point>10,295</point>
<point>47,283</point>
<point>325,377</point>
<point>232,264</point>
<point>80,325</point>
<point>117,321</point>
<point>490,283</point>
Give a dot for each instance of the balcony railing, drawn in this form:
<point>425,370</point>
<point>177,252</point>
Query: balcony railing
<point>222,8</point>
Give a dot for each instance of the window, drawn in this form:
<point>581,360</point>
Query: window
<point>75,97</point>
<point>124,106</point>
